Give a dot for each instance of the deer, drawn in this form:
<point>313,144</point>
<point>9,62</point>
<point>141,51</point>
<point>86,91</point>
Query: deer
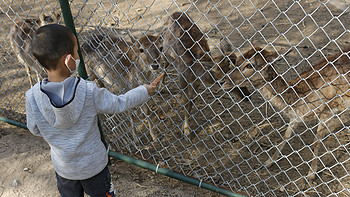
<point>122,65</point>
<point>226,61</point>
<point>21,34</point>
<point>321,93</point>
<point>186,48</point>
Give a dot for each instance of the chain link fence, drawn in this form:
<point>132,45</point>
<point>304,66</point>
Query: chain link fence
<point>232,131</point>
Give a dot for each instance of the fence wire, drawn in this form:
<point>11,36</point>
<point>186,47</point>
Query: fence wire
<point>262,77</point>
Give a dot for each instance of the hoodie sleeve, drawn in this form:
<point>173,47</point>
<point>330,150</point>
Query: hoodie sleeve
<point>106,102</point>
<point>31,124</point>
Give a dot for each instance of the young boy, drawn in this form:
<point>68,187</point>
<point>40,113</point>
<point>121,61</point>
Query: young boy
<point>63,110</point>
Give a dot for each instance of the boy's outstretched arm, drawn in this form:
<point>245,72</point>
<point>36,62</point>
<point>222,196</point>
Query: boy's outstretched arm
<point>106,102</point>
<point>109,103</point>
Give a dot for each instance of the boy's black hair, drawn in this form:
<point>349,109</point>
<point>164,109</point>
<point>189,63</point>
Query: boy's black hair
<point>50,43</point>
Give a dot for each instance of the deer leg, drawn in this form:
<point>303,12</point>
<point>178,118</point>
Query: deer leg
<point>26,66</point>
<point>38,76</point>
<point>29,75</point>
<point>132,128</point>
<point>185,126</point>
<point>41,73</point>
<point>321,132</point>
<point>188,94</point>
<point>148,120</point>
<point>286,136</point>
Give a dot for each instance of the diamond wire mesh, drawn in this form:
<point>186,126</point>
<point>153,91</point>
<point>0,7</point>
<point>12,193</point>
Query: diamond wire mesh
<point>14,79</point>
<point>230,138</point>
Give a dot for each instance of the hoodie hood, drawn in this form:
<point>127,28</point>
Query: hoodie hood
<point>59,102</point>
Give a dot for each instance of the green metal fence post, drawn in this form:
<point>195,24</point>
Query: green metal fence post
<point>68,20</point>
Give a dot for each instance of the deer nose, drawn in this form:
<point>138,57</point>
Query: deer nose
<point>155,66</point>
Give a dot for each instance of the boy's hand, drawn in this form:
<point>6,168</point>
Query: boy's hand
<point>150,88</point>
<point>157,80</point>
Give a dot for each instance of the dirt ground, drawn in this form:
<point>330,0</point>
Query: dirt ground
<point>233,138</point>
<point>26,171</point>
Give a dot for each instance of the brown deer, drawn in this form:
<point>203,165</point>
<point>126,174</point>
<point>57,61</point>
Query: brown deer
<point>186,48</point>
<point>21,34</point>
<point>321,93</point>
<point>121,65</point>
<point>226,61</point>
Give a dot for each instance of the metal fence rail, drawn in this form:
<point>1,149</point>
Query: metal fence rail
<point>295,85</point>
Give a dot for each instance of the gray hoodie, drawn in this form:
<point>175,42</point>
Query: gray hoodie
<point>65,115</point>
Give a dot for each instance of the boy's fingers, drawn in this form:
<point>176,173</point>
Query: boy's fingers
<point>156,81</point>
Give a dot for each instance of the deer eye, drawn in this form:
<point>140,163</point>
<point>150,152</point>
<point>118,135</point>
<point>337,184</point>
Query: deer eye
<point>161,49</point>
<point>250,66</point>
<point>233,60</point>
<point>141,50</point>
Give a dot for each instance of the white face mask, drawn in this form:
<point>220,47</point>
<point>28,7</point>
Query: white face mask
<point>77,62</point>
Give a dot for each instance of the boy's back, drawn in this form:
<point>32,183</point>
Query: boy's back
<point>71,130</point>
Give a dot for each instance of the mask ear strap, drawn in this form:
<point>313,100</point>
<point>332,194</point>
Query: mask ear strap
<point>67,59</point>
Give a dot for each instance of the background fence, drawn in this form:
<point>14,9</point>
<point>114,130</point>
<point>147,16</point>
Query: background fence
<point>230,138</point>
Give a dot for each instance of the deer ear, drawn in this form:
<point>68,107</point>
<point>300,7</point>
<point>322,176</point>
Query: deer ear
<point>225,65</point>
<point>233,58</point>
<point>270,55</point>
<point>56,15</point>
<point>42,17</point>
<point>225,46</point>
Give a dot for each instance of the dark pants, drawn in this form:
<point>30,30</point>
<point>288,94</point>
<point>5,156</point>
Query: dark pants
<point>99,185</point>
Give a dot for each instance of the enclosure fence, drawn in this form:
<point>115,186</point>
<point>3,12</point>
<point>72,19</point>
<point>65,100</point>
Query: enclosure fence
<point>272,102</point>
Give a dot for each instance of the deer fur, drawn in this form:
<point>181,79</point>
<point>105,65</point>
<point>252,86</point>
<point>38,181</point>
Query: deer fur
<point>186,48</point>
<point>226,61</point>
<point>121,65</point>
<point>319,94</point>
<point>21,34</point>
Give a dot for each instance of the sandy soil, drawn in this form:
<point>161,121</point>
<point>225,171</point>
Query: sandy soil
<point>26,170</point>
